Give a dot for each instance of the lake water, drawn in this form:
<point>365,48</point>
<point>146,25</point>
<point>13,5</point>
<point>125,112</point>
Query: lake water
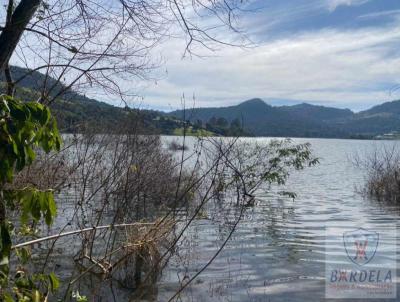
<point>278,252</point>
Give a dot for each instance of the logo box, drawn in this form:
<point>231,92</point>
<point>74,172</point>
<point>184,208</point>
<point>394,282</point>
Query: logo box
<point>360,262</point>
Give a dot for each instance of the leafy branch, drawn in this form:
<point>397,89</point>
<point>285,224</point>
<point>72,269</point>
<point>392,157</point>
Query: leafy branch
<point>25,127</point>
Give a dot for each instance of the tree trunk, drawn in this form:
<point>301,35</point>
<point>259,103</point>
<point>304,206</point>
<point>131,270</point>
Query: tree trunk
<point>14,29</point>
<point>9,80</point>
<point>2,207</point>
<point>138,269</point>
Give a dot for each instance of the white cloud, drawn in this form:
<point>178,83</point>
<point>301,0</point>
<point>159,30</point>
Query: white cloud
<point>332,67</point>
<point>334,4</point>
<point>385,13</point>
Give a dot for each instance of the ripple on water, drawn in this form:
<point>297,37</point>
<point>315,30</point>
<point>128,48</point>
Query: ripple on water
<point>279,252</point>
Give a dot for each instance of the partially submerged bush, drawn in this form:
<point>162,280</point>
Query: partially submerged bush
<point>141,257</point>
<point>133,200</point>
<point>382,173</point>
<point>249,166</point>
<point>176,146</point>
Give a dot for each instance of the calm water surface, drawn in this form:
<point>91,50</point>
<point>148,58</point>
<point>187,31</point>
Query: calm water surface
<point>278,252</point>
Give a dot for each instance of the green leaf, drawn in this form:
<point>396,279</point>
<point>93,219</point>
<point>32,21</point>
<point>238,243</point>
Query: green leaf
<point>54,282</point>
<point>30,154</point>
<point>8,298</point>
<point>15,147</point>
<point>36,296</point>
<point>35,205</point>
<point>18,112</point>
<point>52,208</point>
<point>26,198</point>
<point>24,254</point>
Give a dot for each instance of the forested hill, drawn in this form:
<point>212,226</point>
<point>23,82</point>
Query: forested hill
<point>302,120</point>
<point>250,118</point>
<point>74,110</point>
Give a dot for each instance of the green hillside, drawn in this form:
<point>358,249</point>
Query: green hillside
<point>74,110</point>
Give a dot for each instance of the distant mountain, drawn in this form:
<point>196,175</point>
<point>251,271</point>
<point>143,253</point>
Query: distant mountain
<point>74,110</point>
<point>261,119</point>
<point>317,113</point>
<point>385,109</point>
<point>302,120</point>
<point>250,118</point>
<point>377,120</point>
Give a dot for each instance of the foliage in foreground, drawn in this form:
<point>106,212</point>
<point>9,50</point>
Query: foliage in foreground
<point>24,128</point>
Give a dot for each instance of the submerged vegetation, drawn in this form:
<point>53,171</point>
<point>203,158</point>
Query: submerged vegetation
<point>382,168</point>
<point>125,199</point>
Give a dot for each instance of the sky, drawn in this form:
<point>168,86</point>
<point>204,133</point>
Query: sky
<point>339,53</point>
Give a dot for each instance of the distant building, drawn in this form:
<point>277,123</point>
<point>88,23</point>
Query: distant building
<point>389,136</point>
